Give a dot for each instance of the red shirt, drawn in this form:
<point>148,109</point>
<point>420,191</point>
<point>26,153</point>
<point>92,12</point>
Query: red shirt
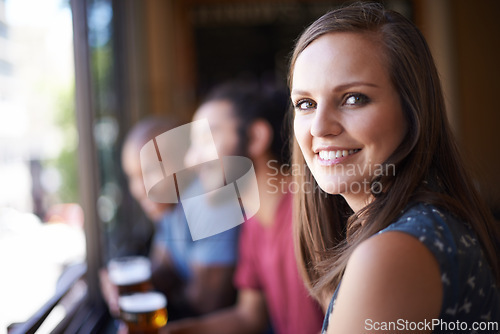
<point>267,263</point>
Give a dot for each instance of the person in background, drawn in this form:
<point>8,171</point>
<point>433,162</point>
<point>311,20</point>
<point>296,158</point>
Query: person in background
<point>247,122</point>
<point>402,240</point>
<point>194,275</point>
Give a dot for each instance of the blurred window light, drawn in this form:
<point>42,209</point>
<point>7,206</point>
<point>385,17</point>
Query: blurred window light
<point>40,220</point>
<point>4,30</point>
<point>5,67</point>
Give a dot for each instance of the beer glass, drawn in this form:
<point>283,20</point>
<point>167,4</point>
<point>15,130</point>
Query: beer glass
<point>144,312</point>
<point>130,274</point>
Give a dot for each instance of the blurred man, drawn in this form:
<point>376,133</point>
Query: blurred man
<point>270,292</point>
<point>194,275</point>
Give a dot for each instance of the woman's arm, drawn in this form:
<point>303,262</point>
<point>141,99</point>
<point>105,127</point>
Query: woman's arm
<point>391,279</point>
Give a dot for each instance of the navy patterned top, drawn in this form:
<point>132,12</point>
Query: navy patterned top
<point>470,295</point>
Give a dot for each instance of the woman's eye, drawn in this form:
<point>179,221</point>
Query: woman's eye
<point>355,99</point>
<point>305,105</point>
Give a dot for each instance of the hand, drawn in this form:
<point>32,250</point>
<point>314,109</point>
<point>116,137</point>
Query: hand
<point>109,292</point>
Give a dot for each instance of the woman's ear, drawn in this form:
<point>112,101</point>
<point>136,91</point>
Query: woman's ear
<point>260,136</point>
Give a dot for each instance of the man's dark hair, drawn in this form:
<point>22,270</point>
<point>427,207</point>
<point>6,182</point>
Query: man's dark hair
<point>251,103</point>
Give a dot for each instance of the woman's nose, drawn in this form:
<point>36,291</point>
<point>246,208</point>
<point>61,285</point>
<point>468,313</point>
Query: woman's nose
<point>326,122</point>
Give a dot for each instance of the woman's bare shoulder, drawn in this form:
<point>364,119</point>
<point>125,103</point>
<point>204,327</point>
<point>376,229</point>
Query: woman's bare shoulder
<point>389,276</point>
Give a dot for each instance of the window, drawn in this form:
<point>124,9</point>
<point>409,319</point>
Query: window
<point>41,232</point>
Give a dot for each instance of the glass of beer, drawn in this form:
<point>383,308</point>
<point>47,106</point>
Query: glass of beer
<point>130,274</point>
<point>144,312</point>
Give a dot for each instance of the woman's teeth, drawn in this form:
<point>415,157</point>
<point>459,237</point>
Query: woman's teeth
<point>331,155</point>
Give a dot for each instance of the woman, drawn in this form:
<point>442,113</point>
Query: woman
<point>398,235</point>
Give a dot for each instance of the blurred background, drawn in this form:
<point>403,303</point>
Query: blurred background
<point>76,75</point>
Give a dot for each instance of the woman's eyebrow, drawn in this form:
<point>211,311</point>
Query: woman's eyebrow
<point>338,88</point>
<point>348,85</point>
<point>298,92</point>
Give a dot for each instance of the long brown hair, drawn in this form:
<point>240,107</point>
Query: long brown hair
<point>428,166</point>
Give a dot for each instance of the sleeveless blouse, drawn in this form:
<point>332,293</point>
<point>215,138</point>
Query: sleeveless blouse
<point>471,298</point>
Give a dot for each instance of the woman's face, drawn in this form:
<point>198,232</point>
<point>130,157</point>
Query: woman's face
<point>348,116</point>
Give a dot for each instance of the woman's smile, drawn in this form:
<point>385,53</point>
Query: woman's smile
<point>332,156</point>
